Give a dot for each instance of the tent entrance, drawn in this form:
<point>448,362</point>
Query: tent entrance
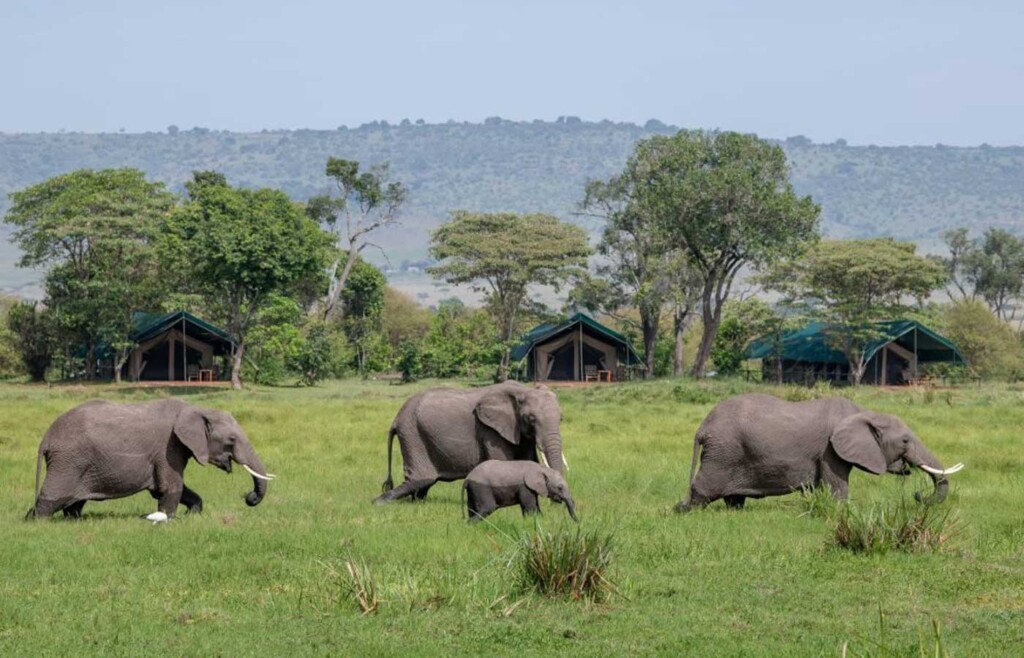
<point>563,362</point>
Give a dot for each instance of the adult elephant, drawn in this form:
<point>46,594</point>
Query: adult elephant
<point>101,450</point>
<point>445,433</point>
<point>758,445</point>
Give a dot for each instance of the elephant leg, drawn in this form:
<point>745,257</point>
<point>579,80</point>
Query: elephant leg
<point>734,502</point>
<point>407,488</point>
<point>74,510</point>
<point>191,500</point>
<point>481,502</point>
<point>46,507</point>
<point>421,493</point>
<point>528,502</point>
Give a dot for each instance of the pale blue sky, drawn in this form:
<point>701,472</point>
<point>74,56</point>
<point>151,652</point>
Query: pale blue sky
<point>910,72</point>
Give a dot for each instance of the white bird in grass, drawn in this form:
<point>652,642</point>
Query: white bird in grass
<point>157,517</point>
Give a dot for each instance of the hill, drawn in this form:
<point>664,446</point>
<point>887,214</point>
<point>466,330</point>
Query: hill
<point>907,192</point>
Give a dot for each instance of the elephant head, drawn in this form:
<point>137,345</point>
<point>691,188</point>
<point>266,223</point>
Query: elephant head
<point>549,482</point>
<point>879,443</point>
<point>517,412</point>
<point>215,437</point>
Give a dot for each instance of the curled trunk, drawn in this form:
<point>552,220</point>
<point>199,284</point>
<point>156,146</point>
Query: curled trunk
<point>245,455</point>
<point>571,506</point>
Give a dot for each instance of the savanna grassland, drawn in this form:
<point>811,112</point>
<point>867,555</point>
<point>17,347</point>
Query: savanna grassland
<point>270,581</point>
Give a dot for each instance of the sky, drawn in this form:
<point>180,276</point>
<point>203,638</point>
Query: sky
<point>886,73</point>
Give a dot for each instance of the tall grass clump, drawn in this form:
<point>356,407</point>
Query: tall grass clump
<point>357,584</point>
<point>884,648</point>
<point>566,562</point>
<point>900,525</point>
<point>819,503</point>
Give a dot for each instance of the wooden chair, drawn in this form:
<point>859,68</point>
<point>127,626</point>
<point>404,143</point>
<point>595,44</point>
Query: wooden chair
<point>590,373</point>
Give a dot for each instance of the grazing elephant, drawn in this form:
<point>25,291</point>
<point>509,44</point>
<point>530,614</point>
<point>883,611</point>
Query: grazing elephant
<point>757,445</point>
<point>495,484</point>
<point>101,450</point>
<point>444,433</point>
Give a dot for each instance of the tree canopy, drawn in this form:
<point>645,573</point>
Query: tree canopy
<point>503,254</point>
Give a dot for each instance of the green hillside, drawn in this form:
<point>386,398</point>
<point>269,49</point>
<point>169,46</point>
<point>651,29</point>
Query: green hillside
<point>908,192</point>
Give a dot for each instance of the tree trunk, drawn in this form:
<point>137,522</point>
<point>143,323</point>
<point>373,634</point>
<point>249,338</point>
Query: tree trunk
<point>678,329</point>
<point>118,364</point>
<point>236,366</point>
<point>649,328</point>
<point>712,316</point>
<point>335,293</point>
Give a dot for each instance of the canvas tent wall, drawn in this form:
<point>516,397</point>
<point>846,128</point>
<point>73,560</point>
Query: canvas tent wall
<point>897,356</point>
<point>171,346</point>
<point>569,350</point>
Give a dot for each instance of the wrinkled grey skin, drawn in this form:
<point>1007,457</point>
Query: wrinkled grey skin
<point>757,445</point>
<point>495,484</point>
<point>445,433</point>
<point>102,450</point>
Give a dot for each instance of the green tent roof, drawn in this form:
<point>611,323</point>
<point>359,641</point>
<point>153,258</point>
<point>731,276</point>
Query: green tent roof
<point>148,325</point>
<point>542,332</point>
<point>810,344</point>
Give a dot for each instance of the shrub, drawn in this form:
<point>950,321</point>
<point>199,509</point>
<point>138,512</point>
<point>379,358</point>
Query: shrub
<point>34,332</point>
<point>314,355</point>
<point>990,345</point>
<point>903,525</point>
<point>565,562</point>
<point>409,362</point>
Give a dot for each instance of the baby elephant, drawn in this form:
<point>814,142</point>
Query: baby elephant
<point>497,483</point>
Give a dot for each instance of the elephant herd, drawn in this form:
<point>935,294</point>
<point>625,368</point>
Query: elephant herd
<point>749,446</point>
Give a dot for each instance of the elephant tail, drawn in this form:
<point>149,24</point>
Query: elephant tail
<point>39,471</point>
<point>697,443</point>
<point>389,484</point>
<point>462,501</point>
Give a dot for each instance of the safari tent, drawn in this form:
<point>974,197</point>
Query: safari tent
<point>176,347</point>
<point>579,349</point>
<point>896,357</point>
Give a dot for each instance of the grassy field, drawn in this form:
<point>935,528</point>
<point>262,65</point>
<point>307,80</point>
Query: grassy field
<point>268,581</point>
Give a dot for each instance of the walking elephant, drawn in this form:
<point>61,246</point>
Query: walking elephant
<point>495,484</point>
<point>102,450</point>
<point>444,433</point>
<point>752,446</point>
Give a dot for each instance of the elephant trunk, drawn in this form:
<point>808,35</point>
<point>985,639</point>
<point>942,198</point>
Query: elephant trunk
<point>551,446</point>
<point>246,456</point>
<point>923,458</point>
<point>571,506</point>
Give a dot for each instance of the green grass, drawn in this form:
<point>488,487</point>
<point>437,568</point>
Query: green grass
<point>275,579</point>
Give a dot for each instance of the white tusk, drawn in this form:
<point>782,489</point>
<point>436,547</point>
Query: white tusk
<point>936,471</point>
<point>565,461</point>
<point>543,459</point>
<point>253,473</point>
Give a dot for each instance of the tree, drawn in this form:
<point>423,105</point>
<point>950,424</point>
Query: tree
<point>852,285</point>
<point>991,268</point>
<point>742,321</point>
<point>639,268</point>
<point>237,247</point>
<point>364,203</point>
<point>362,305</point>
<point>503,254</point>
<point>94,230</point>
<point>724,200</point>
<point>988,344</point>
<point>33,337</point>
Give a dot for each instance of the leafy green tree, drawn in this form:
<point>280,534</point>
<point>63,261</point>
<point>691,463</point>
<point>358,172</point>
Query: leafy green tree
<point>363,304</point>
<point>94,231</point>
<point>34,337</point>
<point>274,343</point>
<point>11,364</point>
<point>314,356</point>
<point>742,321</point>
<point>990,345</point>
<point>725,200</point>
<point>409,362</point>
<point>639,268</point>
<point>851,285</point>
<point>503,254</point>
<point>991,268</point>
<point>363,203</point>
<point>403,319</point>
<point>460,342</point>
<point>237,248</point>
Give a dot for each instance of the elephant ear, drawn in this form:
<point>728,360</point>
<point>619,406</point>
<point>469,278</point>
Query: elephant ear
<point>854,441</point>
<point>537,482</point>
<point>497,411</point>
<point>190,427</point>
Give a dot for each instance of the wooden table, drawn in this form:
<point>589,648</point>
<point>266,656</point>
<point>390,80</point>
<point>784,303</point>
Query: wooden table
<point>206,375</point>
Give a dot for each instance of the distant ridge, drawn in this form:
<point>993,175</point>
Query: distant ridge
<point>907,192</point>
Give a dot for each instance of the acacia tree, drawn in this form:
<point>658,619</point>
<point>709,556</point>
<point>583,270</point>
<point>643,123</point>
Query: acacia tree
<point>503,254</point>
<point>725,200</point>
<point>362,204</point>
<point>852,285</point>
<point>638,269</point>
<point>991,268</point>
<point>94,230</point>
<point>237,247</point>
